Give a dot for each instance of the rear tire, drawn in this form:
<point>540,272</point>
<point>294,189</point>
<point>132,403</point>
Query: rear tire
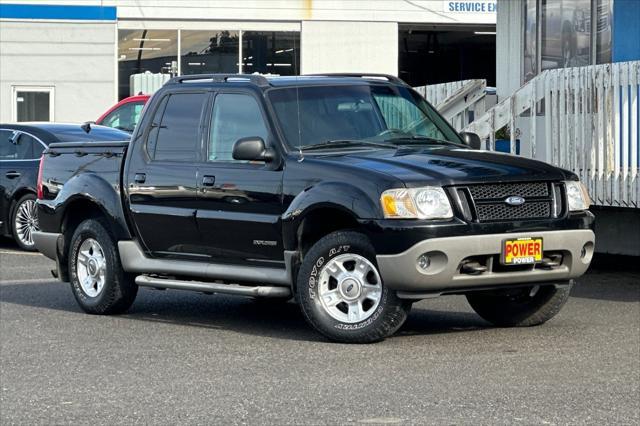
<point>522,307</point>
<point>98,282</point>
<point>341,293</point>
<point>24,221</point>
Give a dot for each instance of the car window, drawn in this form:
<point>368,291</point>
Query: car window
<point>175,128</point>
<point>28,148</point>
<point>125,117</point>
<point>235,116</point>
<point>8,149</point>
<point>19,146</point>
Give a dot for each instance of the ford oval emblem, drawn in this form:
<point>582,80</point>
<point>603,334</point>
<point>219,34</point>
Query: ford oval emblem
<point>514,200</point>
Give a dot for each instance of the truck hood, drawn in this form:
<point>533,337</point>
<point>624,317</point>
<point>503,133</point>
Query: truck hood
<point>447,166</point>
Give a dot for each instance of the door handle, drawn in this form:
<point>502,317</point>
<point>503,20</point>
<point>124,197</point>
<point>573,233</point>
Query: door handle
<point>208,180</point>
<point>12,174</point>
<point>140,178</point>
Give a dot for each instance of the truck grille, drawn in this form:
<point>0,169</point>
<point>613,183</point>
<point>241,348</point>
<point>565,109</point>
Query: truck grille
<point>487,202</point>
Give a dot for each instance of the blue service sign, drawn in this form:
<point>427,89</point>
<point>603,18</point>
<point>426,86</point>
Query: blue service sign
<point>470,6</point>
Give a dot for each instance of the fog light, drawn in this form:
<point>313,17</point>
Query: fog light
<point>424,261</point>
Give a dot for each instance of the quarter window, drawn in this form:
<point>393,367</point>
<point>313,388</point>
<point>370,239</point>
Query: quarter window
<point>235,116</point>
<point>175,129</point>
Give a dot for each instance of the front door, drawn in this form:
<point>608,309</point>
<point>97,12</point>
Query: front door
<point>240,202</point>
<point>161,177</point>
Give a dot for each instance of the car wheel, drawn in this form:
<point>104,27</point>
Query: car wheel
<point>341,293</point>
<point>24,222</point>
<point>522,307</point>
<point>98,282</point>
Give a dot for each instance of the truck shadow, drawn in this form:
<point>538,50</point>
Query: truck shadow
<point>218,312</point>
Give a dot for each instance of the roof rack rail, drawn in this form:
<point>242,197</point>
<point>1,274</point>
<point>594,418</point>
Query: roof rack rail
<point>389,77</point>
<point>257,79</point>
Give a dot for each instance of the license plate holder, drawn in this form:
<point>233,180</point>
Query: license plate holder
<point>521,251</point>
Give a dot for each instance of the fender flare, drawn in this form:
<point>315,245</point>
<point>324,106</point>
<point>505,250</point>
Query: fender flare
<point>93,188</point>
<point>340,196</point>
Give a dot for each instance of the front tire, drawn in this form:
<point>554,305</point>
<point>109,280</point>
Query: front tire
<point>24,222</point>
<point>341,293</point>
<point>521,307</point>
<point>98,282</point>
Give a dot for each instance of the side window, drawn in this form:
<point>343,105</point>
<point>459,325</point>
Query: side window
<point>175,128</point>
<point>28,148</point>
<point>124,118</point>
<point>8,149</point>
<point>234,116</point>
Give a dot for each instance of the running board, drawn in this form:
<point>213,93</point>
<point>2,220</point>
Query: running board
<point>134,260</point>
<point>205,287</point>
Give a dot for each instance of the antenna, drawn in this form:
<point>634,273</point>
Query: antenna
<point>297,71</point>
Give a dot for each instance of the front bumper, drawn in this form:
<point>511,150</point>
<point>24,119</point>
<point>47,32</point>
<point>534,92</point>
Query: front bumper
<point>401,272</point>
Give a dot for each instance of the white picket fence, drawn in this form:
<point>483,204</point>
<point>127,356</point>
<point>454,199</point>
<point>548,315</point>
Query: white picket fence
<point>584,119</point>
<point>458,101</point>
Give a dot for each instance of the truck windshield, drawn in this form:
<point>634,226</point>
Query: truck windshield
<point>376,113</point>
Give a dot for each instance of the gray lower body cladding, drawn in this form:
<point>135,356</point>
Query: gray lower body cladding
<point>402,272</point>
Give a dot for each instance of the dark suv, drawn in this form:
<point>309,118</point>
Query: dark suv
<point>348,192</point>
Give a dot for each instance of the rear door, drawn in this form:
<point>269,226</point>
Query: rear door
<point>161,176</point>
<point>240,202</point>
<point>19,159</point>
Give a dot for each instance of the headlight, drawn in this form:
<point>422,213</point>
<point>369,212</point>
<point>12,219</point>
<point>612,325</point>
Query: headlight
<point>429,202</point>
<point>577,195</point>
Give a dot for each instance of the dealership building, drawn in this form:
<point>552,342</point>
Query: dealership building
<point>70,60</point>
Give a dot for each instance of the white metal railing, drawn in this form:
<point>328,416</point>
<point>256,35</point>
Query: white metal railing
<point>458,101</point>
<point>584,119</point>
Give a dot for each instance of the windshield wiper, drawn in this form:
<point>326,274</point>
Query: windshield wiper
<point>344,143</point>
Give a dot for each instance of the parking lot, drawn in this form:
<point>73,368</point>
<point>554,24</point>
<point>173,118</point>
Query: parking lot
<point>191,358</point>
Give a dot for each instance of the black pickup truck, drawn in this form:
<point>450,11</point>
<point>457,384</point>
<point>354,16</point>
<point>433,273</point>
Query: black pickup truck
<point>349,193</point>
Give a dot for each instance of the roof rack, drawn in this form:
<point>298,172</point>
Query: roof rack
<point>257,79</point>
<point>388,77</point>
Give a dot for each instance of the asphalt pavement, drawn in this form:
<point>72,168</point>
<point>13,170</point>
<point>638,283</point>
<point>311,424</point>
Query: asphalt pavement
<point>181,357</point>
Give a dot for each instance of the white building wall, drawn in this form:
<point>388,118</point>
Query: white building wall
<point>77,59</point>
<point>349,47</point>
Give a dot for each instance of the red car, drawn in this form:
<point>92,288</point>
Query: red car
<point>125,114</point>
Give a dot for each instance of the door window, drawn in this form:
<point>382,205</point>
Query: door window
<point>175,129</point>
<point>235,116</point>
<point>124,118</point>
<point>33,104</point>
<point>19,146</point>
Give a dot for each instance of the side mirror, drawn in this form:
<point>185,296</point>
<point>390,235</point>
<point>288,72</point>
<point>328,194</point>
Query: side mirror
<point>252,148</point>
<point>472,140</point>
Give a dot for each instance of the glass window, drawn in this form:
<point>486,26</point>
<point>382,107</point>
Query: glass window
<point>150,55</point>
<point>33,106</point>
<point>376,113</point>
<point>604,14</point>
<point>530,66</point>
<point>566,33</point>
<point>8,149</point>
<point>271,52</point>
<point>28,148</point>
<point>235,116</point>
<point>404,115</point>
<point>125,117</point>
<point>19,146</point>
<point>175,136</point>
<point>209,52</point>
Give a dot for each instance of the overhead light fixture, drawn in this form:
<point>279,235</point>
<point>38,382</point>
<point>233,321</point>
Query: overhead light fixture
<point>484,32</point>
